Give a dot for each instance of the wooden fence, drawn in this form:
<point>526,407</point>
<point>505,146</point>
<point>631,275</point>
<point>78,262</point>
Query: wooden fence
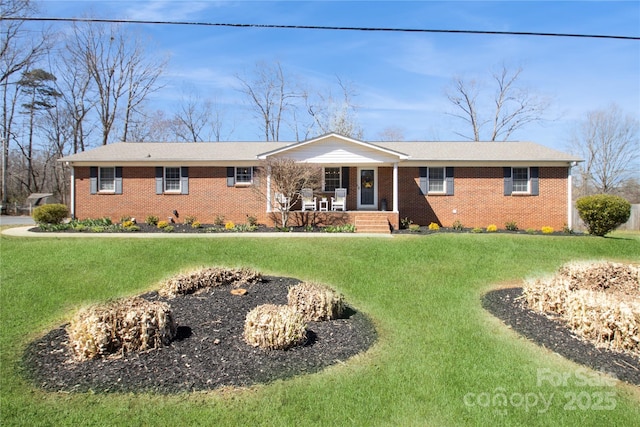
<point>632,224</point>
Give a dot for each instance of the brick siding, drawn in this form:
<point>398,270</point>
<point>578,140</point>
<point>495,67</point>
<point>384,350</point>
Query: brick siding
<point>478,199</point>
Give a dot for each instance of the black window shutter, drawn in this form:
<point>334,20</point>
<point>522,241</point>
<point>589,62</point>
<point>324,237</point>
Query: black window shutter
<point>344,176</point>
<point>231,176</point>
<point>184,180</point>
<point>508,181</point>
<point>118,180</point>
<point>255,176</point>
<point>424,179</point>
<point>159,176</point>
<point>534,176</point>
<point>449,180</point>
<point>93,179</point>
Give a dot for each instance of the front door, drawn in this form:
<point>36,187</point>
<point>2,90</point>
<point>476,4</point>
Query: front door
<point>367,189</point>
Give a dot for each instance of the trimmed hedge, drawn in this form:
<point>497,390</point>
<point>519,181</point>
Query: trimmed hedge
<point>602,213</point>
<point>53,213</point>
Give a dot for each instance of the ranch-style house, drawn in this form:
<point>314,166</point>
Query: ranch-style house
<point>470,183</point>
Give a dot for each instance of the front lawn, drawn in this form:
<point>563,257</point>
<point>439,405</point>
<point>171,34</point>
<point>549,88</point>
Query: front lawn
<point>440,358</point>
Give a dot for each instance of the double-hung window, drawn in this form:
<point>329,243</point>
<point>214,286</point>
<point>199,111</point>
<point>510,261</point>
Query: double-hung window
<point>520,180</point>
<point>107,179</point>
<point>244,175</point>
<point>436,180</point>
<point>332,179</point>
<point>172,179</point>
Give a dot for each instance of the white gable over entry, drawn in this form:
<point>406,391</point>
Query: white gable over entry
<point>337,149</point>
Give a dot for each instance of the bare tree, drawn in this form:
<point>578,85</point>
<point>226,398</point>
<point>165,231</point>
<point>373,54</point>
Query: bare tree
<point>120,71</point>
<point>271,97</point>
<point>193,120</point>
<point>288,177</point>
<point>510,108</point>
<point>335,114</point>
<point>391,133</point>
<point>608,140</point>
<point>19,49</point>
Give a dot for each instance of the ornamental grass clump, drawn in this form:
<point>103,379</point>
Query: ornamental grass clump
<point>194,281</point>
<point>316,302</point>
<point>127,325</point>
<point>274,327</point>
<point>600,301</point>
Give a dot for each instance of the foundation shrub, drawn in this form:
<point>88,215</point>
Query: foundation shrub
<point>511,226</point>
<point>599,301</point>
<point>53,213</point>
<point>602,213</point>
<point>122,326</point>
<point>547,230</point>
<point>162,224</point>
<point>274,327</point>
<point>229,225</point>
<point>316,302</point>
<point>189,220</point>
<point>196,224</point>
<point>194,281</point>
<point>492,228</point>
<point>219,220</point>
<point>457,225</point>
<point>152,220</point>
<point>434,227</point>
<point>414,227</point>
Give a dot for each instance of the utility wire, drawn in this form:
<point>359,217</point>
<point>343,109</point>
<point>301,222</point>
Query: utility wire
<point>319,27</point>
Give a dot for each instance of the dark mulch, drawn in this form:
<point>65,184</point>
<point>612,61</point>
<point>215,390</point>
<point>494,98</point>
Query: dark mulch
<point>552,334</point>
<point>209,351</point>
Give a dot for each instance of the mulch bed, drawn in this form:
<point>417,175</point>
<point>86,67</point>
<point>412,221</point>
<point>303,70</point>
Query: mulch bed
<point>208,353</point>
<point>553,334</point>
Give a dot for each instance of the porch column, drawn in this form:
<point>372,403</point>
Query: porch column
<point>395,187</point>
<point>268,190</point>
<point>72,202</point>
<point>570,196</point>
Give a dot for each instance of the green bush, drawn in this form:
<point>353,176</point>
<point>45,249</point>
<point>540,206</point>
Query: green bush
<point>54,213</point>
<point>602,213</point>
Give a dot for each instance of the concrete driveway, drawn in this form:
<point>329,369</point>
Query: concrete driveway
<point>16,220</point>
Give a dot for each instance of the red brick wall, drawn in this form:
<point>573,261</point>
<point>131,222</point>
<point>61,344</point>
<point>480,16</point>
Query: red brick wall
<point>478,198</point>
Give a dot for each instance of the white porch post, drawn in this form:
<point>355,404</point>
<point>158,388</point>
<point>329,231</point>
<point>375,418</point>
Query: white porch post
<point>268,190</point>
<point>395,187</point>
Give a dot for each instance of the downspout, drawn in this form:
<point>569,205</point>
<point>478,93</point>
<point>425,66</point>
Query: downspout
<point>570,197</point>
<point>72,202</point>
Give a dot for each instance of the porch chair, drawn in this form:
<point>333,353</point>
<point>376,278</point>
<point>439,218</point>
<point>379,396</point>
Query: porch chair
<point>282,201</point>
<point>308,199</point>
<point>339,201</point>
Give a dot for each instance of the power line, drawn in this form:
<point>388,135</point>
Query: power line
<point>320,27</point>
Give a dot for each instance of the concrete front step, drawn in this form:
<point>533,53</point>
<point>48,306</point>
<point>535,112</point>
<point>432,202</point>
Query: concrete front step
<point>372,224</point>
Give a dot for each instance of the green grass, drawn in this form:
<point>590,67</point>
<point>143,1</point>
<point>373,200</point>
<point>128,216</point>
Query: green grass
<point>437,346</point>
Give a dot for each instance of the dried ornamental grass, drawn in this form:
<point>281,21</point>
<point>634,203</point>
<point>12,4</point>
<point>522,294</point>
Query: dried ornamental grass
<point>600,301</point>
<point>132,324</point>
<point>276,327</point>
<point>192,282</point>
<point>315,301</point>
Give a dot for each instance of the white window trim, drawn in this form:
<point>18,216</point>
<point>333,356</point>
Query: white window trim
<point>324,184</point>
<point>513,181</point>
<point>239,183</point>
<point>100,180</point>
<point>165,180</point>
<point>444,179</point>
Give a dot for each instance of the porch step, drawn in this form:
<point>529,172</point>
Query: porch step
<point>372,224</point>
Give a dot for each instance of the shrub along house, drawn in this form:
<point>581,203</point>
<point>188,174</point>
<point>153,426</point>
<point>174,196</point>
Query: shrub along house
<point>474,183</point>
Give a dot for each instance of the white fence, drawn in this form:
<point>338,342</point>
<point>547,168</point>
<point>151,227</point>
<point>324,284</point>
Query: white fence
<point>632,224</point>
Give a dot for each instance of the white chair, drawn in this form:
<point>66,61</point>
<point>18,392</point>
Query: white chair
<point>308,199</point>
<point>339,201</point>
<point>282,201</point>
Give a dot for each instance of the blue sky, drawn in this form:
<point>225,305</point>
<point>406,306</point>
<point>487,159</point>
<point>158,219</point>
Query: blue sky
<point>400,78</point>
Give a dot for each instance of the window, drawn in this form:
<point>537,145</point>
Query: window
<point>520,180</point>
<point>331,179</point>
<point>171,179</point>
<point>106,179</point>
<point>244,175</point>
<point>436,180</point>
